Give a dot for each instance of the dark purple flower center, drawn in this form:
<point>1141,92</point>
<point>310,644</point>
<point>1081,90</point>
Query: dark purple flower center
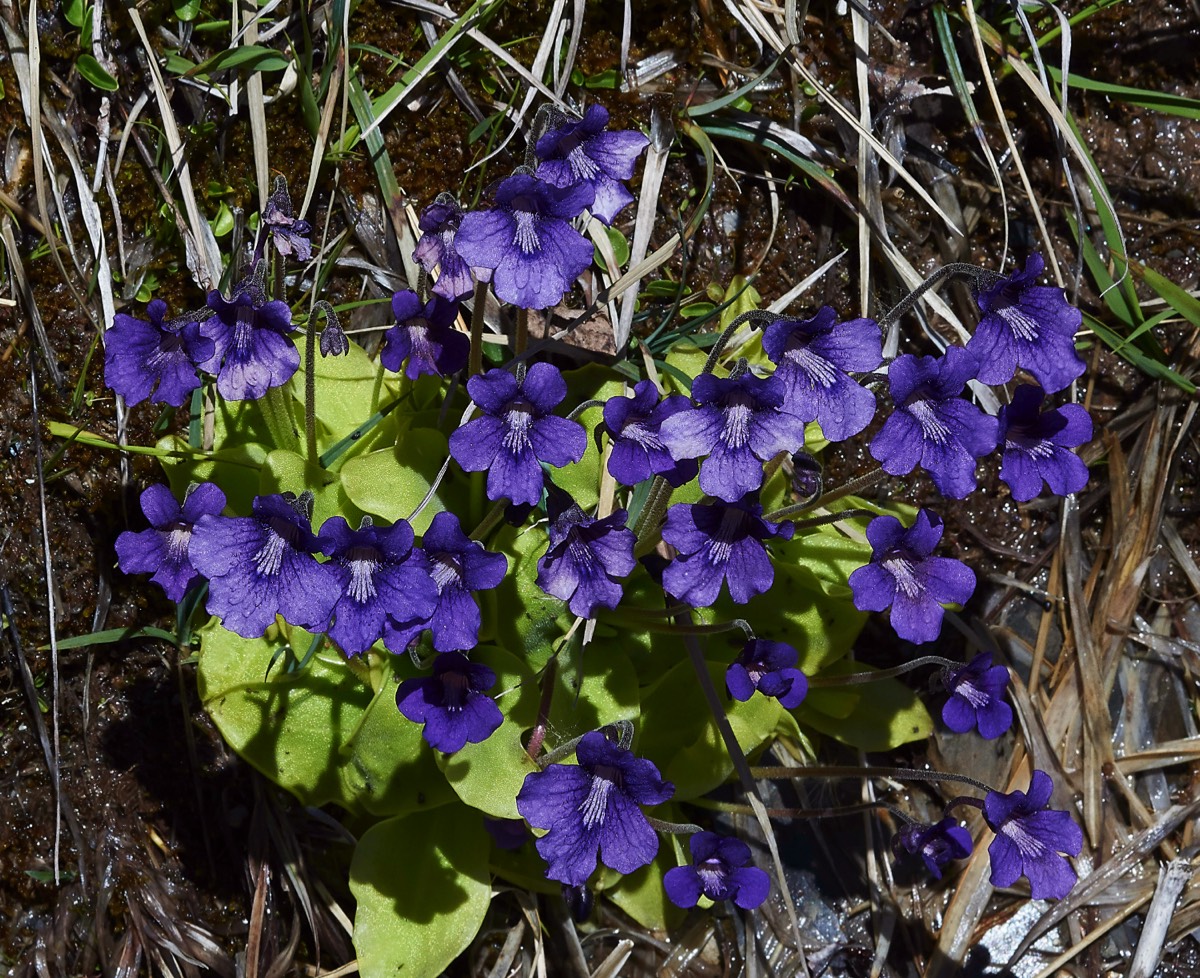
<point>583,167</point>
<point>932,427</point>
<point>712,875</point>
<point>972,694</point>
<point>605,777</point>
<point>179,534</point>
<point>518,419</point>
<point>1031,847</point>
<point>739,410</point>
<point>526,235</point>
<point>456,687</point>
<point>900,565</point>
<point>721,547</point>
<point>1024,327</point>
<point>815,367</point>
<point>361,562</point>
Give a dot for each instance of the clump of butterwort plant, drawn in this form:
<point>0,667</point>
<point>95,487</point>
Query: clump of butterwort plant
<point>444,583</point>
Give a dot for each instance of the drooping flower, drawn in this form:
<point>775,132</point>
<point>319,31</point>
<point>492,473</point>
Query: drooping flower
<point>937,844</point>
<point>739,425</point>
<point>931,425</point>
<point>1037,445</point>
<point>1030,841</point>
<point>638,451</point>
<point>770,668</point>
<point>262,565</point>
<point>452,703</point>
<point>585,557</point>
<point>719,542</point>
<point>155,359</point>
<point>288,233</point>
<point>162,550</point>
<point>526,240</point>
<point>378,574</point>
<point>977,698</point>
<point>814,359</point>
<point>425,336</point>
<point>253,350</point>
<point>458,566</point>
<point>581,151</point>
<point>517,432</point>
<point>594,807</point>
<point>439,224</point>
<point>720,870</point>
<point>1029,326</point>
<point>904,575</point>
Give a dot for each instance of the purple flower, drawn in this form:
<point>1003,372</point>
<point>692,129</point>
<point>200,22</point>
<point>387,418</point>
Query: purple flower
<point>162,550</point>
<point>1029,840</point>
<point>1037,445</point>
<point>814,358</point>
<point>507,833</point>
<point>720,870</point>
<point>638,451</point>
<point>593,806</point>
<point>452,703</point>
<point>458,565</point>
<point>977,698</point>
<point>770,668</point>
<point>155,360</point>
<point>289,234</point>
<point>262,565</point>
<point>936,844</point>
<point>1027,325</point>
<point>719,542</point>
<point>378,574</point>
<point>534,253</point>
<point>425,336</point>
<point>585,558</point>
<point>252,350</point>
<point>580,151</point>
<point>904,576</point>
<point>517,432</point>
<point>931,425</point>
<point>739,425</point>
<point>439,223</point>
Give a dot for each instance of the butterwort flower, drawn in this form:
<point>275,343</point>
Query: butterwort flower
<point>507,833</point>
<point>439,223</point>
<point>263,565</point>
<point>594,807</point>
<point>1037,445</point>
<point>378,574</point>
<point>155,359</point>
<point>585,558</point>
<point>288,233</point>
<point>162,550</point>
<point>1031,840</point>
<point>458,566</point>
<point>527,242</point>
<point>516,432</point>
<point>638,451</point>
<point>720,870</point>
<point>905,576</point>
<point>977,698</point>
<point>770,668</point>
<point>719,542</point>
<point>582,151</point>
<point>1029,326</point>
<point>814,358</point>
<point>937,845</point>
<point>253,350</point>
<point>425,336</point>
<point>452,703</point>
<point>739,425</point>
<point>931,425</point>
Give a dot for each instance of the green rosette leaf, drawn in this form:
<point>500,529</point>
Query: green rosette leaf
<point>422,887</point>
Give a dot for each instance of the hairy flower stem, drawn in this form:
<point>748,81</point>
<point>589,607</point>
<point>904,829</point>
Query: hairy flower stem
<point>943,273</point>
<point>488,523</point>
<point>650,518</point>
<point>834,771</point>
<point>478,309</point>
<point>756,316</point>
<point>521,339</point>
<point>733,808</point>
<point>538,736</point>
<point>585,406</point>
<point>856,678</point>
<point>310,389</point>
<point>812,521</point>
<point>673,828</point>
<point>851,488</point>
<point>664,628</point>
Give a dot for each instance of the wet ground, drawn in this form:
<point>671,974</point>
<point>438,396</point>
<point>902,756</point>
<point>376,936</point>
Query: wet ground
<point>165,839</point>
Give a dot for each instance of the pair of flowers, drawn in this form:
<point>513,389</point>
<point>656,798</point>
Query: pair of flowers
<point>525,243</point>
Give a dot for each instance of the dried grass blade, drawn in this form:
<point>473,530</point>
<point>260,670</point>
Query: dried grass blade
<point>16,269</point>
<point>1171,881</point>
<point>611,966</point>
